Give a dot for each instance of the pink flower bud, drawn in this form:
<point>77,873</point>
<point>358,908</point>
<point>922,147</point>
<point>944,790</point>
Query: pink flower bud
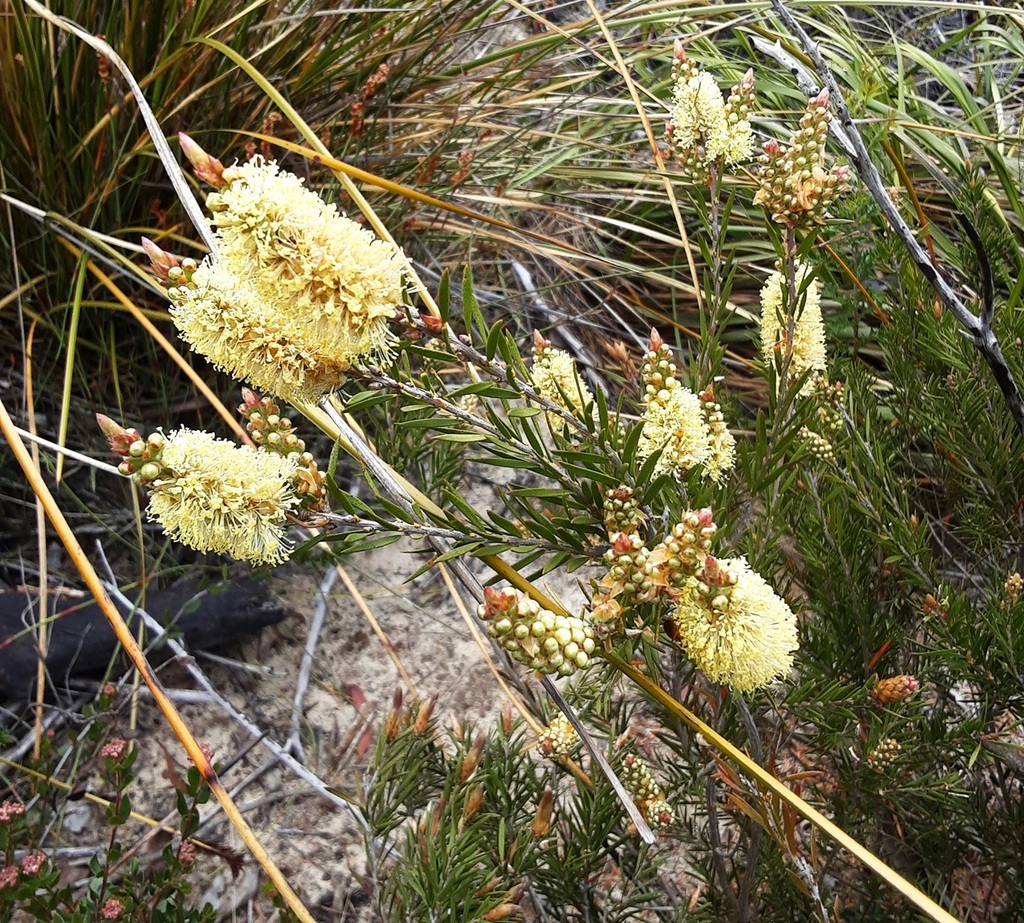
<point>208,169</point>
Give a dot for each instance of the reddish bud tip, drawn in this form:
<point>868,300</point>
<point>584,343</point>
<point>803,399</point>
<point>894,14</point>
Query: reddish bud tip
<point>119,438</point>
<point>160,261</point>
<point>208,169</point>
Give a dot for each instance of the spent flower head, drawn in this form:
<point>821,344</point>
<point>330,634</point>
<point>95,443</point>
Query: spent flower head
<point>808,344</point>
<point>734,626</point>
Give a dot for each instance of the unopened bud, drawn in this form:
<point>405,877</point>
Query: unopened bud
<point>393,723</point>
<point>119,438</point>
<point>473,802</point>
<point>160,261</point>
<point>472,759</point>
<point>542,818</point>
<point>423,716</point>
<point>208,169</point>
<point>895,689</point>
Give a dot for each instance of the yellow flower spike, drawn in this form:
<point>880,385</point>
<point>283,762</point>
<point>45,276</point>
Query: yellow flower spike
<point>722,443</point>
<point>675,424</point>
<point>739,632</point>
<point>704,127</point>
<point>226,320</point>
<point>215,496</point>
<point>808,347</point>
<point>304,248</point>
<point>296,294</point>
<point>556,378</point>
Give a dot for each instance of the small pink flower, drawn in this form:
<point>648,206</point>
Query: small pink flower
<point>112,909</point>
<point>10,810</point>
<point>115,748</point>
<point>31,865</point>
<point>187,854</point>
<point>8,876</point>
<point>207,752</point>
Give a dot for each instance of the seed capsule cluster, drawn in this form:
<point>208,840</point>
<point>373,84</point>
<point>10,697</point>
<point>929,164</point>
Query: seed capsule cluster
<point>536,637</point>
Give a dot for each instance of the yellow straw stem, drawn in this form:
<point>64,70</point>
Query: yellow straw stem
<point>754,771</point>
<point>138,658</point>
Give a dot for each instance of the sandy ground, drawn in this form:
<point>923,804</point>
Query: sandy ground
<point>352,684</point>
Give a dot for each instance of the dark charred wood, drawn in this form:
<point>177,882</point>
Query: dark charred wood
<point>82,643</point>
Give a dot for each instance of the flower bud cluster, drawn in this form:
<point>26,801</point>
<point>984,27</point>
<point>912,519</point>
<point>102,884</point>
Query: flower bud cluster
<point>894,689</point>
<point>559,739</point>
<point>658,372</point>
<point>884,755</point>
<point>673,419</point>
<point>681,554</point>
<point>722,443</point>
<point>819,446</point>
<point>274,433</point>
<point>794,185</point>
<point>628,567</point>
<point>648,795</point>
<point>1012,587</point>
<point>829,399</point>
<point>536,637</point>
<point>622,511</point>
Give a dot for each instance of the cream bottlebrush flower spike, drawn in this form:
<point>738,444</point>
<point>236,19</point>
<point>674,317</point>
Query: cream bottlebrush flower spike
<point>808,347</point>
<point>705,128</point>
<point>556,377</point>
<point>722,443</point>
<point>210,494</point>
<point>734,627</point>
<point>673,420</point>
<point>297,293</point>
